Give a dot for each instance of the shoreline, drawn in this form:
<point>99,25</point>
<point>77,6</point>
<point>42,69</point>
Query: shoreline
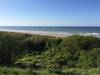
<point>41,33</point>
<point>47,33</point>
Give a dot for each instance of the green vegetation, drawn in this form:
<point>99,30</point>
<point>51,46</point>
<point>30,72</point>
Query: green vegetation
<point>44,55</point>
<point>71,71</point>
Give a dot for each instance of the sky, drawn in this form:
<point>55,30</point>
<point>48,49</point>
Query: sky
<point>49,12</point>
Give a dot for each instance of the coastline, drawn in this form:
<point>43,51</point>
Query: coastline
<point>47,33</point>
<point>41,33</point>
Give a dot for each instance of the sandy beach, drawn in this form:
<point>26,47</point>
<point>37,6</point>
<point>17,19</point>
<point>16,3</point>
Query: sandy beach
<point>50,33</point>
<point>55,34</point>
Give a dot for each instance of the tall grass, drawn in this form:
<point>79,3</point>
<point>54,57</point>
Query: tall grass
<point>14,71</point>
<point>70,71</point>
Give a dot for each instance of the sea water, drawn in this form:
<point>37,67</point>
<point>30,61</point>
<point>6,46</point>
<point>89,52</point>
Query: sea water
<point>81,30</point>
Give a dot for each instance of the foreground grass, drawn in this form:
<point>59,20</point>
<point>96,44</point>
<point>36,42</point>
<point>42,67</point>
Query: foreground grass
<point>14,71</point>
<point>73,71</point>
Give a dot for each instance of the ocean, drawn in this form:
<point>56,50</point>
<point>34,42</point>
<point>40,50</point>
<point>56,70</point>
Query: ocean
<point>82,30</point>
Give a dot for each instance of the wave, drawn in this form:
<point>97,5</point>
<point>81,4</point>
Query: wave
<point>50,33</point>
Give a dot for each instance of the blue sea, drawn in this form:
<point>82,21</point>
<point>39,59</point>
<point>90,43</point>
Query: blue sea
<point>82,30</point>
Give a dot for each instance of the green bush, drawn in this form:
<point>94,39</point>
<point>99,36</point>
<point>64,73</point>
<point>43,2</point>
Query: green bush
<point>42,52</point>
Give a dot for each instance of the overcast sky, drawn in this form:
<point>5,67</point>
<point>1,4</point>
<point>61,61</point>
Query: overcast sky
<point>50,12</point>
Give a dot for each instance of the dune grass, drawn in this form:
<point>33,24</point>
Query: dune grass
<point>42,55</point>
<point>70,71</point>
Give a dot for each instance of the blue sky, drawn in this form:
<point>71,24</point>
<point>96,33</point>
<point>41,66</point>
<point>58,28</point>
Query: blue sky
<point>50,12</point>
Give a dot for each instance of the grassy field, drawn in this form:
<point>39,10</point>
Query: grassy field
<point>71,71</point>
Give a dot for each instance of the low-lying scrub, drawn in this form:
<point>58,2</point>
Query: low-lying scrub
<point>44,52</point>
<point>70,71</point>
